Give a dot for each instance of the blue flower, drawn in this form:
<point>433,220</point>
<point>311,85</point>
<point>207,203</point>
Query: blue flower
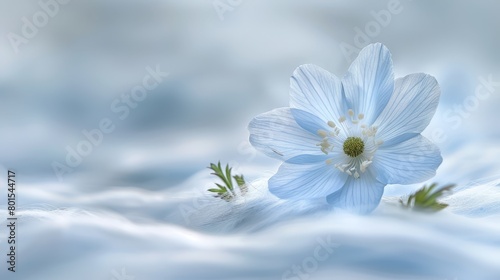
<point>346,139</point>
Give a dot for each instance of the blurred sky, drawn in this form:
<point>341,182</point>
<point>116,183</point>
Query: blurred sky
<point>222,73</point>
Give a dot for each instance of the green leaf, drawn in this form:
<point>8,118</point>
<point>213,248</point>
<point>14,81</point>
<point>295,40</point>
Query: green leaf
<point>228,177</point>
<point>241,183</point>
<point>239,180</point>
<point>221,187</point>
<point>218,171</point>
<point>215,190</point>
<point>425,199</point>
<point>226,191</point>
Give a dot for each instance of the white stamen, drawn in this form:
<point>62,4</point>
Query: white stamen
<point>354,128</point>
<point>370,131</point>
<point>322,133</point>
<point>339,168</point>
<point>364,165</point>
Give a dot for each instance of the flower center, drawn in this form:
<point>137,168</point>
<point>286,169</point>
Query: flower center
<point>354,146</point>
<point>359,143</point>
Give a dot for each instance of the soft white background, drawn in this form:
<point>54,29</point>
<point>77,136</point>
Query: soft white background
<point>123,206</point>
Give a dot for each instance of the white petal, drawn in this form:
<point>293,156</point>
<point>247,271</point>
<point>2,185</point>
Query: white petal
<point>317,91</point>
<point>276,134</point>
<point>369,83</point>
<point>312,180</point>
<point>308,121</point>
<point>360,195</point>
<point>408,162</point>
<point>410,108</point>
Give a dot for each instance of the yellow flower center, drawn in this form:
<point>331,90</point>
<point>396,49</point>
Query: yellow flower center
<point>354,146</point>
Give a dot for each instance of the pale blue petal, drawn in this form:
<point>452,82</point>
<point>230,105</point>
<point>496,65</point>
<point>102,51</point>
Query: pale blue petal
<point>276,134</point>
<point>309,121</point>
<point>410,108</point>
<point>412,161</point>
<point>398,139</point>
<point>369,83</point>
<point>360,195</point>
<point>312,180</point>
<point>317,91</point>
<point>308,159</point>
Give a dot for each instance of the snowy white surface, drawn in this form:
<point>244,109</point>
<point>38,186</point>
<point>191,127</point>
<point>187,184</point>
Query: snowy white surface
<point>183,233</point>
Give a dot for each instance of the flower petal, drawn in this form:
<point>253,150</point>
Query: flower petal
<point>277,135</point>
<point>317,91</point>
<point>410,108</point>
<point>369,83</point>
<point>309,121</point>
<point>412,161</point>
<point>360,195</point>
<point>308,159</point>
<point>311,180</point>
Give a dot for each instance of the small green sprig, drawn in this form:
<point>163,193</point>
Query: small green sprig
<point>425,199</point>
<point>227,192</point>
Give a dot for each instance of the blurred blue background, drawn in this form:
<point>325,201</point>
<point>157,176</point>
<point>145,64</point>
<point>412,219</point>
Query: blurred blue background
<point>222,73</point>
<point>227,62</point>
